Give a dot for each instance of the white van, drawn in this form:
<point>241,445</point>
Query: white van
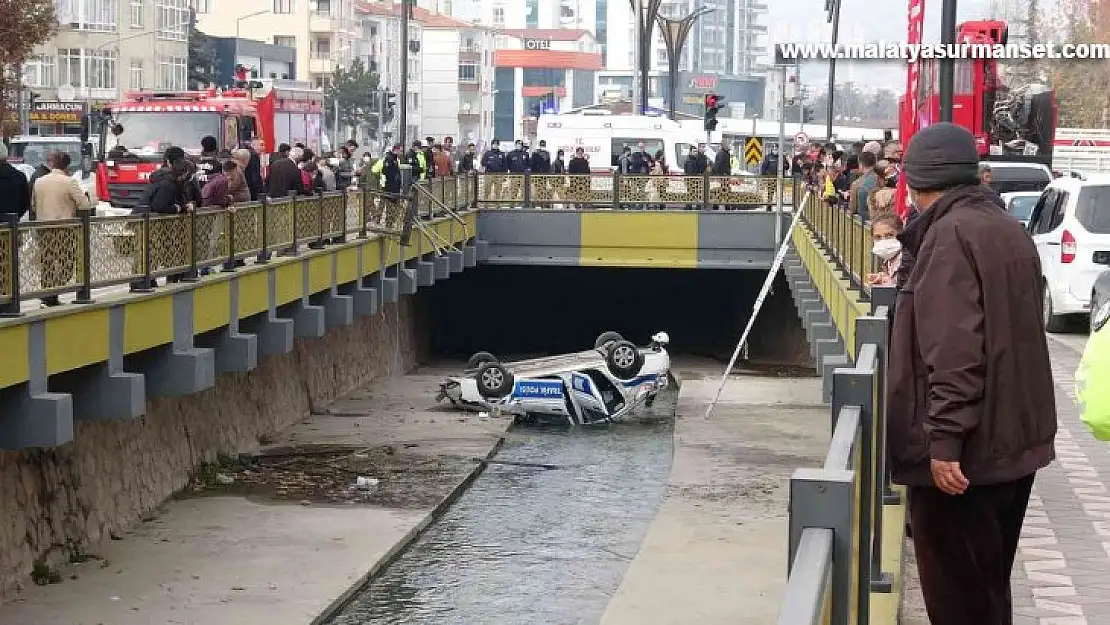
<point>603,137</point>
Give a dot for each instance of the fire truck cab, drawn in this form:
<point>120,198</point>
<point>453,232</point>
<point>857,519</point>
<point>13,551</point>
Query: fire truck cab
<point>141,127</point>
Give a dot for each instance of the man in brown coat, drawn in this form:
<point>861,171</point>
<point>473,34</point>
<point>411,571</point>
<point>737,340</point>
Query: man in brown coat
<point>972,414</point>
<point>57,197</point>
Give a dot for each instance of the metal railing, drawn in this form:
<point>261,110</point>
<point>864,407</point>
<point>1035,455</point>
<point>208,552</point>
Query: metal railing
<point>846,237</point>
<point>836,511</point>
<point>40,259</point>
<point>625,191</point>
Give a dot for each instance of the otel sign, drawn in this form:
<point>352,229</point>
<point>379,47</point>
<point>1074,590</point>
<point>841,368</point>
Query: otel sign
<point>537,44</point>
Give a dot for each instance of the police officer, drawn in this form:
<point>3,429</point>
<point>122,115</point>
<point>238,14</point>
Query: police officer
<point>429,156</point>
<point>418,161</point>
<point>541,164</point>
<point>518,162</point>
<point>494,165</point>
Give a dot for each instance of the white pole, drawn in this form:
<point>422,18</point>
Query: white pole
<point>778,157</point>
<point>758,304</point>
<point>637,80</point>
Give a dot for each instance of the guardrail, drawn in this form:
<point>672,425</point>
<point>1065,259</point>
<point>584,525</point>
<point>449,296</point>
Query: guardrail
<point>837,511</point>
<point>624,191</point>
<point>846,237</point>
<point>40,259</point>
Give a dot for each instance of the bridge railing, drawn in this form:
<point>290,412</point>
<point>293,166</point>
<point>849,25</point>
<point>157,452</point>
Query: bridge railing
<point>837,512</point>
<point>624,191</point>
<point>40,259</point>
<point>846,237</point>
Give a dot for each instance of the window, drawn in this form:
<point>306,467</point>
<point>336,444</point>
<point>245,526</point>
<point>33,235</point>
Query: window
<point>136,74</point>
<point>323,8</point>
<point>69,67</point>
<point>1092,209</point>
<point>137,13</point>
<point>171,19</point>
<point>100,69</point>
<point>284,6</point>
<point>93,15</point>
<point>38,71</point>
<point>468,73</point>
<point>320,81</point>
<point>173,73</point>
<point>498,16</point>
<point>321,48</point>
<point>204,6</point>
<point>285,41</point>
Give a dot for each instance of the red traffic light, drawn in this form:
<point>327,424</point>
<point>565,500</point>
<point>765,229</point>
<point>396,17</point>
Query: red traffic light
<point>711,101</point>
<point>240,73</point>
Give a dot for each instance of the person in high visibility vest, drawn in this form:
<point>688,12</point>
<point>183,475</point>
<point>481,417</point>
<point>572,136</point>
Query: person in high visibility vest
<point>418,161</point>
<point>388,170</point>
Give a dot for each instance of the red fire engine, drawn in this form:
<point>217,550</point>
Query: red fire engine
<point>263,115</point>
<point>1009,123</point>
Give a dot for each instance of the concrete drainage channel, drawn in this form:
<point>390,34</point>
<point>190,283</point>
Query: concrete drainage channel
<point>529,544</point>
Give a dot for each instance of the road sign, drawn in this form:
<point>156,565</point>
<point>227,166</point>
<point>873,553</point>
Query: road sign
<point>801,139</point>
<point>753,151</point>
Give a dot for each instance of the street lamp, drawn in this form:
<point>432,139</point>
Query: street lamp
<point>674,34</point>
<point>645,13</point>
<point>832,13</point>
<point>238,22</point>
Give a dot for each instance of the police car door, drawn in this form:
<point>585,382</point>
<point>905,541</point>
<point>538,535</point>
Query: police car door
<point>585,395</point>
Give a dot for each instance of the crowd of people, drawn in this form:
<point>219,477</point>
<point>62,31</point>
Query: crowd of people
<point>970,399</point>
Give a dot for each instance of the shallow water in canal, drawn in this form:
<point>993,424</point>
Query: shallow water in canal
<point>528,545</point>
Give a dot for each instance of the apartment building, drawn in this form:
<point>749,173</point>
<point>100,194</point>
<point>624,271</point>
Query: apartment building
<point>379,24</point>
<point>104,48</point>
<point>458,78</point>
<point>324,33</point>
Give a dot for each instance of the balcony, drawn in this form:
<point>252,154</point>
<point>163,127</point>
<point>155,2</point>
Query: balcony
<point>321,66</point>
<point>324,23</point>
<point>469,84</point>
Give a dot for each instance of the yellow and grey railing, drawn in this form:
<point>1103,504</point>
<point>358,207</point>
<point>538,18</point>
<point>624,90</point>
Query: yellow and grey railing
<point>840,512</point>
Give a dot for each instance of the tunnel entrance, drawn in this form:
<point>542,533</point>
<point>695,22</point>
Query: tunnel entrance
<point>516,310</point>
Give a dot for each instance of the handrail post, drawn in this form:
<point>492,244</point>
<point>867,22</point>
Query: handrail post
<point>475,191</point>
<point>872,330</point>
<point>264,253</point>
<point>362,213</point>
<point>616,188</point>
<point>146,284</point>
<point>229,265</point>
<point>705,180</point>
<point>526,200</point>
<point>84,294</point>
<point>855,386</point>
<point>294,247</point>
<point>320,221</point>
<point>822,498</point>
<point>12,307</point>
<point>193,274</point>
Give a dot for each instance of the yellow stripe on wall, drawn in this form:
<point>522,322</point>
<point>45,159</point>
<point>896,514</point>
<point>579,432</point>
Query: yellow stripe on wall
<point>13,345</point>
<point>254,293</point>
<point>147,324</point>
<point>210,306</point>
<point>346,269</point>
<point>639,239</point>
<point>319,273</point>
<point>78,340</point>
<point>371,256</point>
<point>288,283</point>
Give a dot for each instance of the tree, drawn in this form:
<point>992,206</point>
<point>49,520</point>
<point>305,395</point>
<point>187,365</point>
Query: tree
<point>202,60</point>
<point>1082,85</point>
<point>355,88</point>
<point>853,106</point>
<point>24,24</point>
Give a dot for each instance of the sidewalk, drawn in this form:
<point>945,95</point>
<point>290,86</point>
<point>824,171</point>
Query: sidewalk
<point>716,552</point>
<point>279,556</point>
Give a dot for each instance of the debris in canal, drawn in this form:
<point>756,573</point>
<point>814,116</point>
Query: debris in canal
<point>529,465</point>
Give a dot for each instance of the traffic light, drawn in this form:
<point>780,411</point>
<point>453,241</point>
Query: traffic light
<point>807,114</point>
<point>389,105</point>
<point>713,103</point>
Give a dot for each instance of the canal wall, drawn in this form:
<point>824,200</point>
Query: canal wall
<point>61,502</point>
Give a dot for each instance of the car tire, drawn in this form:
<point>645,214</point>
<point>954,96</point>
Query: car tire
<point>607,337</point>
<point>1052,322</point>
<point>494,380</point>
<point>624,360</point>
<point>479,359</point>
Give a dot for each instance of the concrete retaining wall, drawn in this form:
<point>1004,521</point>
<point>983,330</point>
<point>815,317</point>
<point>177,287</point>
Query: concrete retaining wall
<point>65,500</point>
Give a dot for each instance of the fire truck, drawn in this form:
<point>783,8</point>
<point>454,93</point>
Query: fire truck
<point>261,114</point>
<point>1011,123</point>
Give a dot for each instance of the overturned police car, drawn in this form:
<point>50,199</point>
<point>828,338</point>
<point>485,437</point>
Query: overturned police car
<point>600,385</point>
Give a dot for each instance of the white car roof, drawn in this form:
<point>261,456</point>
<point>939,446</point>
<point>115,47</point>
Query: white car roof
<point>1013,194</point>
<point>1075,184</point>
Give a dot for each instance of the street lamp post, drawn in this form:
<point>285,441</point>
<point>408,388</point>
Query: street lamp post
<point>238,22</point>
<point>646,11</point>
<point>947,70</point>
<point>402,123</point>
<point>832,10</point>
<point>674,34</point>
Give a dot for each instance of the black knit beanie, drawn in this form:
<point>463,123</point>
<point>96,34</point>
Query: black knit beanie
<point>941,156</point>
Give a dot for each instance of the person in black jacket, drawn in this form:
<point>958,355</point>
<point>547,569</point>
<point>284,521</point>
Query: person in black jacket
<point>540,163</point>
<point>15,192</point>
<point>518,162</point>
<point>494,165</point>
<point>695,165</point>
<point>468,163</point>
<point>284,178</point>
<point>722,166</point>
<point>578,186</point>
<point>429,156</point>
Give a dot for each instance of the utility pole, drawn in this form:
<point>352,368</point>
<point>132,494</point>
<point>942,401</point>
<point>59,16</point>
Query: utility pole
<point>781,152</point>
<point>403,105</point>
<point>639,80</point>
<point>947,70</point>
<point>832,8</point>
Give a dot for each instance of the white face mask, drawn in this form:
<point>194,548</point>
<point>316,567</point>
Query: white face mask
<point>365,159</point>
<point>887,249</point>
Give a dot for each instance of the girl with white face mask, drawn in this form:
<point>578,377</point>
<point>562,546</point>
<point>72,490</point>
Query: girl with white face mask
<point>886,246</point>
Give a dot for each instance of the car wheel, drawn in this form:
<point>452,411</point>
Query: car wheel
<point>479,359</point>
<point>1052,322</point>
<point>494,380</point>
<point>624,360</point>
<point>607,337</point>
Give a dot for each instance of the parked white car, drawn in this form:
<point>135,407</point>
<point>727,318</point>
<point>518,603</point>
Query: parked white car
<point>1071,226</point>
<point>1020,204</point>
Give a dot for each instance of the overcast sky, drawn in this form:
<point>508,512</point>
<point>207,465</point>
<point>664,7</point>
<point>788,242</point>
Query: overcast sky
<point>861,20</point>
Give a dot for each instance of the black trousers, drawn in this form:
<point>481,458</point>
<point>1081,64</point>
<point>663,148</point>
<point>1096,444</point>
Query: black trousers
<point>965,547</point>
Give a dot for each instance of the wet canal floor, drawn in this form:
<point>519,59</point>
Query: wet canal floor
<point>530,545</point>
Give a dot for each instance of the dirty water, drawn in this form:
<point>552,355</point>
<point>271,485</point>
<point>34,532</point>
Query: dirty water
<point>530,545</point>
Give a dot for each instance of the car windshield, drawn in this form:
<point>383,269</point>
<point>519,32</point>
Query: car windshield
<point>1021,206</point>
<point>34,154</point>
<point>150,133</point>
<point>1093,209</point>
<point>1011,179</point>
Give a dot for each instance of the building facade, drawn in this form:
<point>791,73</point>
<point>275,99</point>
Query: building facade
<point>105,48</point>
<point>262,60</point>
<point>379,23</point>
<point>457,79</point>
<point>324,33</point>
